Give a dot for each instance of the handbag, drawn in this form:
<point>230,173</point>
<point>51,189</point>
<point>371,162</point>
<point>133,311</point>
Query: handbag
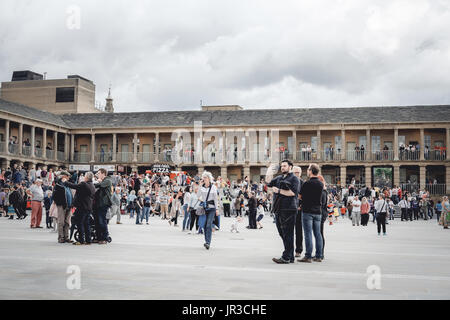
<point>203,205</point>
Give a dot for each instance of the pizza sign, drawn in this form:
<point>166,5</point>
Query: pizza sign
<point>161,168</point>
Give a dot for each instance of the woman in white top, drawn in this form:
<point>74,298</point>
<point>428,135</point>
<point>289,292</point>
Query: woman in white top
<point>212,204</point>
<point>187,215</point>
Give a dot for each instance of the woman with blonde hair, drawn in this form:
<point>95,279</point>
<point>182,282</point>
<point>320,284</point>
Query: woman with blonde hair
<point>208,196</point>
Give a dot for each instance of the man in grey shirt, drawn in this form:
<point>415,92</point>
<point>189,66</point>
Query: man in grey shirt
<point>115,207</point>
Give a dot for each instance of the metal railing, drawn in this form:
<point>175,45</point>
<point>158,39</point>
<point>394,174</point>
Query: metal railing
<point>435,155</point>
<point>383,155</point>
<point>436,189</point>
<point>81,157</point>
<point>145,157</point>
<point>61,155</point>
<point>124,156</point>
<point>103,157</point>
<point>26,151</point>
<point>331,156</point>
<point>406,155</point>
<point>410,187</point>
<point>50,154</point>
<point>38,152</point>
<point>3,147</point>
<point>353,155</point>
<point>306,155</point>
<point>13,148</point>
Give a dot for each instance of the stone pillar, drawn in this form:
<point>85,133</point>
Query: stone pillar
<point>368,176</point>
<point>447,144</point>
<point>7,124</point>
<point>343,146</point>
<point>368,145</point>
<point>66,146</point>
<point>33,141</point>
<point>223,172</point>
<point>55,144</point>
<point>114,147</point>
<point>423,175</point>
<point>44,143</point>
<point>247,146</point>
<point>319,145</point>
<point>247,172</point>
<point>396,175</point>
<point>92,147</point>
<point>422,144</point>
<point>72,146</point>
<point>157,146</point>
<point>294,145</point>
<point>396,146</point>
<point>20,138</point>
<point>135,147</point>
<point>447,178</point>
<point>343,176</point>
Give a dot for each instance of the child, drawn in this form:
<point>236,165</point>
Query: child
<point>330,213</point>
<point>234,225</point>
<point>260,212</point>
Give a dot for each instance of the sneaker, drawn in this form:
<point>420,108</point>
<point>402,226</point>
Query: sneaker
<point>305,259</point>
<point>206,246</point>
<point>280,261</point>
<point>298,255</point>
<point>102,242</point>
<point>384,233</point>
<point>77,243</point>
<point>317,259</point>
<point>118,222</point>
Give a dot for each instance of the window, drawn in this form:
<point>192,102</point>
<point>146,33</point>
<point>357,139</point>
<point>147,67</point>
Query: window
<point>65,94</point>
<point>376,141</point>
<point>427,141</point>
<point>401,141</point>
<point>337,143</point>
<point>314,143</point>
<point>362,141</point>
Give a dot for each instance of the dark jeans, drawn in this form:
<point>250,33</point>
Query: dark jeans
<point>252,219</point>
<point>381,221</point>
<point>404,214</point>
<point>210,214</point>
<point>101,228</point>
<point>226,210</point>
<point>299,232</point>
<point>138,215</point>
<point>193,220</point>
<point>19,210</point>
<point>83,226</point>
<point>364,219</point>
<point>323,238</point>
<point>48,219</point>
<point>311,225</point>
<point>285,222</point>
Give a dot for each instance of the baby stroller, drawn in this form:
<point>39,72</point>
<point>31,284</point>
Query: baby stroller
<point>74,232</point>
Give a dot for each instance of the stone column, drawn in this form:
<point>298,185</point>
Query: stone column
<point>44,143</point>
<point>447,178</point>
<point>368,145</point>
<point>55,144</point>
<point>114,147</point>
<point>343,176</point>
<point>423,175</point>
<point>7,124</point>
<point>247,146</point>
<point>72,146</point>
<point>33,141</point>
<point>447,144</point>
<point>368,176</point>
<point>157,147</point>
<point>396,146</point>
<point>223,172</point>
<point>20,138</point>
<point>422,144</point>
<point>247,172</point>
<point>66,146</point>
<point>343,146</point>
<point>396,174</point>
<point>294,145</point>
<point>319,145</point>
<point>135,147</point>
<point>92,147</point>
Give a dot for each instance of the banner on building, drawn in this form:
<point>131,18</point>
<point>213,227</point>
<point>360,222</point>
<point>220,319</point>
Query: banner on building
<point>79,167</point>
<point>160,168</point>
<point>109,168</point>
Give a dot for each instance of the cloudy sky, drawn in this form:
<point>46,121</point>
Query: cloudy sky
<point>169,55</point>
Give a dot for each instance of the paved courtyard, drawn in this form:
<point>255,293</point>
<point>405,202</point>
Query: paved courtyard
<point>157,261</point>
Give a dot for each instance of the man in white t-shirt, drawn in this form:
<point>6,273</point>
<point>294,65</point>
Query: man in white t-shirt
<point>356,212</point>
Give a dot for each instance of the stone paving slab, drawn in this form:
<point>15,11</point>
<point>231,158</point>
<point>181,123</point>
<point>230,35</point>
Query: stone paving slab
<point>157,261</point>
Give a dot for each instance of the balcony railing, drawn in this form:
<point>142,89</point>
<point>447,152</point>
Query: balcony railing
<point>383,155</point>
<point>61,155</point>
<point>26,151</point>
<point>437,189</point>
<point>13,148</point>
<point>3,147</point>
<point>410,187</point>
<point>38,152</point>
<point>124,156</point>
<point>81,157</point>
<point>50,154</point>
<point>356,155</point>
<point>146,157</point>
<point>406,155</point>
<point>435,155</point>
<point>331,156</point>
<point>103,157</point>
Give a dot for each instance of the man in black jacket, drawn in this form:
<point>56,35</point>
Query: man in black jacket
<point>16,199</point>
<point>84,197</point>
<point>102,202</point>
<point>285,189</point>
<point>311,195</point>
<point>252,205</point>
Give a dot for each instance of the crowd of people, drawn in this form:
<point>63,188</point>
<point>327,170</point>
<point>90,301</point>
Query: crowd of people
<point>87,202</point>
